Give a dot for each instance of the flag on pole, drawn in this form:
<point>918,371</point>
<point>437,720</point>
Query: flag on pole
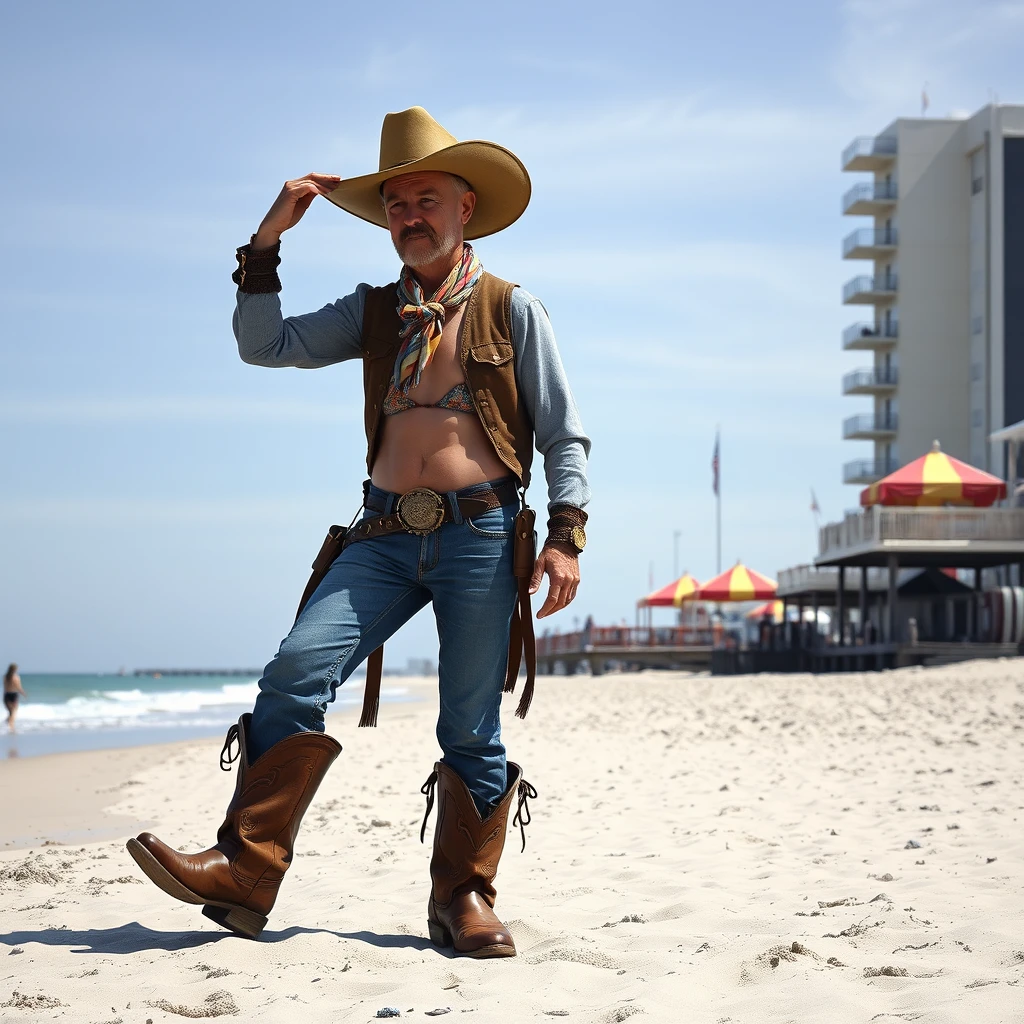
<point>715,466</point>
<point>814,504</point>
<point>924,101</point>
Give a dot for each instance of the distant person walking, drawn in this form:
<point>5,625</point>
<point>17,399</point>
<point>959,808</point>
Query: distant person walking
<point>13,692</point>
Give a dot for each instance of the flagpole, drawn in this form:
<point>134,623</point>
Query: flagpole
<point>718,500</point>
<point>718,524</point>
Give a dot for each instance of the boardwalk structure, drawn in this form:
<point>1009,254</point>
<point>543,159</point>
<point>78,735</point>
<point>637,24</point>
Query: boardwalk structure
<point>902,617</point>
<point>624,647</point>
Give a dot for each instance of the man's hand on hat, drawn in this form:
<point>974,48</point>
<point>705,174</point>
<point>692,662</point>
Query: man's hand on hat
<point>562,566</point>
<point>290,205</point>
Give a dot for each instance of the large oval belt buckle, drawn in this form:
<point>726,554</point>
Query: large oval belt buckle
<point>420,511</point>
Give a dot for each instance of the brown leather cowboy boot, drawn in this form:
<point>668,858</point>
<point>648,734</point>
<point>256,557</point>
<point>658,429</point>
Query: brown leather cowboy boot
<point>237,880</point>
<point>466,853</point>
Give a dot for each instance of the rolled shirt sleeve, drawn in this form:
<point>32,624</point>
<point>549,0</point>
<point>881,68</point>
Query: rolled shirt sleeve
<point>541,380</point>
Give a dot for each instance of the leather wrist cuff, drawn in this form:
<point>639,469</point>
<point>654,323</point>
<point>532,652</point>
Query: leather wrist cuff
<point>561,537</point>
<point>566,515</point>
<point>563,523</point>
<point>257,269</point>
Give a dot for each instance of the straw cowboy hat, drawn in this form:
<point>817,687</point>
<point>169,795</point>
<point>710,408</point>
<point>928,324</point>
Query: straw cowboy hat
<point>413,141</point>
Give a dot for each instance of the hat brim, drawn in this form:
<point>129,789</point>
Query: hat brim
<point>497,177</point>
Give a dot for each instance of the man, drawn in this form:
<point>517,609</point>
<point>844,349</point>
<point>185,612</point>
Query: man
<point>461,378</point>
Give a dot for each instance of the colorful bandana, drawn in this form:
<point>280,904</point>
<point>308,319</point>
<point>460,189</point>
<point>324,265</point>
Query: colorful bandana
<point>423,320</point>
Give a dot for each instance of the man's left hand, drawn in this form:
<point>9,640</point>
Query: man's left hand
<point>561,563</point>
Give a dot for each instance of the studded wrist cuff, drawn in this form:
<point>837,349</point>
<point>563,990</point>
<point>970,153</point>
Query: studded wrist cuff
<point>257,269</point>
<point>566,526</point>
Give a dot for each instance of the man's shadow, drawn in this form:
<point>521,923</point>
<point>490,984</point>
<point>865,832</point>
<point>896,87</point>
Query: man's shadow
<point>135,938</point>
<point>393,941</point>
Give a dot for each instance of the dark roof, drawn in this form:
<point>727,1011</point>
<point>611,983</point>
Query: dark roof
<point>932,582</point>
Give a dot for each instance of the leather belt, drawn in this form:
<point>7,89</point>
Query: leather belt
<point>421,511</point>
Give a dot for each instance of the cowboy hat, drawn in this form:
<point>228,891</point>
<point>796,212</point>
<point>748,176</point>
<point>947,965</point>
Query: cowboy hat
<point>413,141</point>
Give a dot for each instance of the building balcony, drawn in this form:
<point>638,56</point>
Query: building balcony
<point>869,153</point>
<point>869,244</point>
<point>874,380</point>
<point>948,537</point>
<point>870,198</point>
<point>806,581</point>
<point>866,289</point>
<point>870,426</point>
<point>867,471</point>
<point>867,335</point>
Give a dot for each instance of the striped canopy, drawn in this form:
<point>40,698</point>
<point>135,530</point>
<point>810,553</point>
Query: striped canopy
<point>772,608</point>
<point>935,479</point>
<point>673,595</point>
<point>738,584</point>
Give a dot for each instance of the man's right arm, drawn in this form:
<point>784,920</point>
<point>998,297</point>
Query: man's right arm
<point>330,335</point>
<point>264,336</point>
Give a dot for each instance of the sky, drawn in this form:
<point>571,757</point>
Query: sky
<point>160,501</point>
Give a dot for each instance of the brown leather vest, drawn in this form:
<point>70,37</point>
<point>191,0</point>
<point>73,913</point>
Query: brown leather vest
<point>488,364</point>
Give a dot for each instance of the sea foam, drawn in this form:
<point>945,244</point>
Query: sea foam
<point>112,709</point>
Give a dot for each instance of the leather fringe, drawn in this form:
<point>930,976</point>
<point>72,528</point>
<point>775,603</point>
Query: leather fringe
<point>526,643</point>
<point>515,650</point>
<point>521,638</point>
<point>371,692</point>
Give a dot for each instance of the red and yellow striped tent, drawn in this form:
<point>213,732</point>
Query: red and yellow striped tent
<point>673,595</point>
<point>738,584</point>
<point>935,479</point>
<point>772,608</point>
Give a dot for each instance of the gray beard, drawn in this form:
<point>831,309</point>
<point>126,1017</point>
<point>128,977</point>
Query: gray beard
<point>444,245</point>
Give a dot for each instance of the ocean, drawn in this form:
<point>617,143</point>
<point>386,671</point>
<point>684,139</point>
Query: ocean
<point>94,712</point>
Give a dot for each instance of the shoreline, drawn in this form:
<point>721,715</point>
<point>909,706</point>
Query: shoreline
<point>62,797</point>
<point>33,741</point>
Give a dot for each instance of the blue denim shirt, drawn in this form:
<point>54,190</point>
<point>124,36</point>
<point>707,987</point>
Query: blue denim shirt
<point>332,335</point>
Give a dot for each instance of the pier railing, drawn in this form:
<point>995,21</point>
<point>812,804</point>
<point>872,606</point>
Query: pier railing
<point>803,579</point>
<point>599,638</point>
<point>952,527</point>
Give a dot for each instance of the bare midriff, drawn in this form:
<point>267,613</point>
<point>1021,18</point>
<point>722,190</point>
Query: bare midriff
<point>436,448</point>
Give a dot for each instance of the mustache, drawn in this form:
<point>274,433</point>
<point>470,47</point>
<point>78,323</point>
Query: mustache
<point>423,230</point>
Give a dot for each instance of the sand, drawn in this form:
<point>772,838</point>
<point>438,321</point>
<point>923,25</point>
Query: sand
<point>59,797</point>
<point>747,849</point>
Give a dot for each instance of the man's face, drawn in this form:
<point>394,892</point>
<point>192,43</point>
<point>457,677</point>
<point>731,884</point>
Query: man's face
<point>426,214</point>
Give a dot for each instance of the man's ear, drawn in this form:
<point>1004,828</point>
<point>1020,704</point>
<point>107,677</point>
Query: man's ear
<point>468,206</point>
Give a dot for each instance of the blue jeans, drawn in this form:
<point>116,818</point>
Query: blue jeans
<point>373,587</point>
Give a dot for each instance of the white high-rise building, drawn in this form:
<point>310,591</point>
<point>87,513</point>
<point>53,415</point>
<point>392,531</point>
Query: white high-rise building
<point>942,294</point>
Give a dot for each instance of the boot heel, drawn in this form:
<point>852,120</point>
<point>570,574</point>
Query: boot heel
<point>237,919</point>
<point>439,935</point>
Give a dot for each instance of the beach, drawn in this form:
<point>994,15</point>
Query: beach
<point>729,849</point>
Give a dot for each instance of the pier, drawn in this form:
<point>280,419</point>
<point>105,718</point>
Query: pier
<point>626,648</point>
<point>156,673</point>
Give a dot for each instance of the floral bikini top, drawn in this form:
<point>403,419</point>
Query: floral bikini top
<point>458,400</point>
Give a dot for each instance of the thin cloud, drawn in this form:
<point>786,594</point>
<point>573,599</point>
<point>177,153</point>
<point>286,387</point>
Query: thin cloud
<point>297,511</point>
<point>180,409</point>
<point>889,50</point>
<point>677,140</point>
<point>661,366</point>
<point>786,270</point>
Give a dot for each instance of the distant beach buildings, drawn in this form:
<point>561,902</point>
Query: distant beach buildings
<point>943,297</point>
